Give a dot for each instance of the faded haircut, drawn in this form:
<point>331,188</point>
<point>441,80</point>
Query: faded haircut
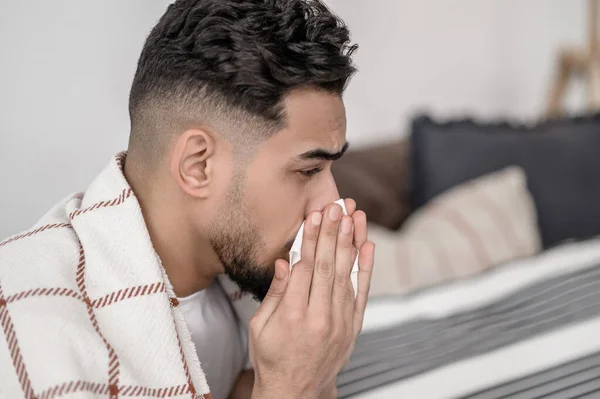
<point>227,66</point>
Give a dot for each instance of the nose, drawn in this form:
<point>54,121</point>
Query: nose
<point>324,194</point>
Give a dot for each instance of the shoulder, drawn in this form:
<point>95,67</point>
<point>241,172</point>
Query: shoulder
<point>40,257</point>
<point>42,309</point>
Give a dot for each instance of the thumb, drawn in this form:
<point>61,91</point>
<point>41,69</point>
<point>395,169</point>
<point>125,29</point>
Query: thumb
<point>274,295</point>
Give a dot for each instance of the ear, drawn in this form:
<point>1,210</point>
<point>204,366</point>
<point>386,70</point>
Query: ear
<point>193,161</point>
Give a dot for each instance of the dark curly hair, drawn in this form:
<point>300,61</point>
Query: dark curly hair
<point>220,61</point>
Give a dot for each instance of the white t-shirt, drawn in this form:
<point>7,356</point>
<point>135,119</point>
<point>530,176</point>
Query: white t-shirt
<point>221,342</point>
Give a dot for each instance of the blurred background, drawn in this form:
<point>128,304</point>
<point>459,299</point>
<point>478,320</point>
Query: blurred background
<point>475,131</point>
<point>67,66</point>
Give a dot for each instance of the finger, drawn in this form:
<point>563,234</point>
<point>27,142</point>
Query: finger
<point>349,313</point>
<point>360,228</point>
<point>354,260</point>
<point>366,260</point>
<point>302,272</point>
<point>343,294</point>
<point>343,265</point>
<point>322,282</point>
<point>312,226</point>
<point>350,206</point>
<point>349,317</point>
<point>349,305</point>
<point>274,295</point>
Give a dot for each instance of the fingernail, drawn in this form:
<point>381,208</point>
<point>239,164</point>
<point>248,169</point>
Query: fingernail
<point>335,212</point>
<point>346,226</point>
<point>316,218</point>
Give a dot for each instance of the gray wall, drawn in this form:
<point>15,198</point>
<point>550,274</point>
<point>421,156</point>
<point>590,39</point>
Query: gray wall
<point>66,67</point>
<point>65,71</point>
<point>488,57</point>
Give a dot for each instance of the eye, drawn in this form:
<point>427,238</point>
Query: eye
<point>310,172</point>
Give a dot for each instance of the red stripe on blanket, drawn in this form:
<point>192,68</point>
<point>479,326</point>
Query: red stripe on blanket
<point>13,346</point>
<point>154,392</point>
<point>113,364</point>
<point>126,293</point>
<point>125,194</point>
<point>44,292</point>
<point>105,389</point>
<point>120,159</point>
<point>191,389</point>
<point>36,231</point>
<point>74,386</point>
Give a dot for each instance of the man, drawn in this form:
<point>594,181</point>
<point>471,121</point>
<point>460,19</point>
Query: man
<point>125,290</point>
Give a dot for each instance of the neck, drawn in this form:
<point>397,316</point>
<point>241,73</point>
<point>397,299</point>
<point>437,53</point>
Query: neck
<point>189,261</point>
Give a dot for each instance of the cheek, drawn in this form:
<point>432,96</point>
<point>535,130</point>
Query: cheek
<point>277,206</point>
<point>223,181</point>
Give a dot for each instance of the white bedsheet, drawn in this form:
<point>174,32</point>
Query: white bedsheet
<point>525,357</point>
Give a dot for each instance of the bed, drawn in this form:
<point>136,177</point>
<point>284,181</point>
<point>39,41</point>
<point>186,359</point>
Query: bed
<point>487,264</point>
<point>528,329</point>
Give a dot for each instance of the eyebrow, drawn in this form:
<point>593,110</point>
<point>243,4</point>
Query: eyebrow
<point>324,155</point>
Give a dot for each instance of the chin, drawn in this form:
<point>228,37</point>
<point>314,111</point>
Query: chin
<point>254,280</point>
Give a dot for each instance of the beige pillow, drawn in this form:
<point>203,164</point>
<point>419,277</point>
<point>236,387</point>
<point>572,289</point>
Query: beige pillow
<point>464,231</point>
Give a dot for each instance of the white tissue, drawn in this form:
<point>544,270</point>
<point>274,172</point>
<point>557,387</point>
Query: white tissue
<point>297,246</point>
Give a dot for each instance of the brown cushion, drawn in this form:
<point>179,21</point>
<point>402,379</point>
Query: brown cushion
<point>376,178</point>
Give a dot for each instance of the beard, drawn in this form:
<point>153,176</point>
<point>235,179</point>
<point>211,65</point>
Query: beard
<point>237,253</point>
<point>238,243</point>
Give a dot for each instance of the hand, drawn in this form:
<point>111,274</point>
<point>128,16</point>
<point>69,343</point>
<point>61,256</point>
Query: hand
<point>330,392</point>
<point>364,273</point>
<point>304,331</point>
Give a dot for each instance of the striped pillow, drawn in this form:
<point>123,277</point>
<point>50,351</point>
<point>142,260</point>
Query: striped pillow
<point>467,229</point>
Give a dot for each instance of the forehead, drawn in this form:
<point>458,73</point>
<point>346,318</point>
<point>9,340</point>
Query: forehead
<point>315,119</point>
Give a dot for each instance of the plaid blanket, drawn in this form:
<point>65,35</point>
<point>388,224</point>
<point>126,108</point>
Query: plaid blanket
<point>86,308</point>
